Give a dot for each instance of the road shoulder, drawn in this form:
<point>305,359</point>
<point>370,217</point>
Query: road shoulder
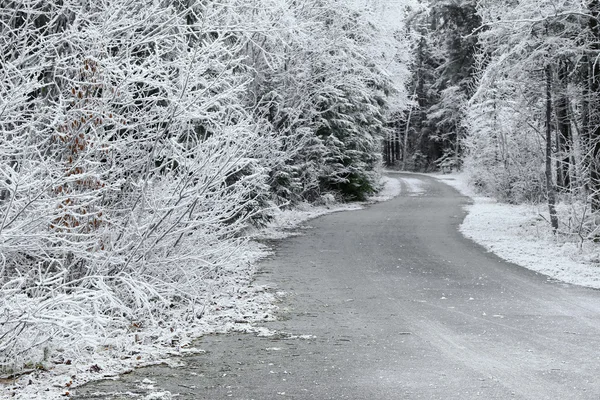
<point>521,234</point>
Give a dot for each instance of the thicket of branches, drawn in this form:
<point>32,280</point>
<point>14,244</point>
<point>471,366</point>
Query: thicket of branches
<point>534,118</point>
<point>510,91</point>
<point>138,140</point>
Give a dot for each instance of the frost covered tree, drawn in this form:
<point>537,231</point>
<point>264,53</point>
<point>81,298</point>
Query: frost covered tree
<point>532,104</point>
<point>350,105</point>
<point>442,82</point>
<point>128,163</point>
<point>139,140</point>
<point>324,97</point>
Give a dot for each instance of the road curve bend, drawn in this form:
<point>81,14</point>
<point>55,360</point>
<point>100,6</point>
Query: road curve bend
<point>391,302</point>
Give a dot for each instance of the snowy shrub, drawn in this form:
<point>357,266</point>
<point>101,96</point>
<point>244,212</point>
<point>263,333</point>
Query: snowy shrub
<point>139,140</point>
<point>128,168</point>
<point>504,153</point>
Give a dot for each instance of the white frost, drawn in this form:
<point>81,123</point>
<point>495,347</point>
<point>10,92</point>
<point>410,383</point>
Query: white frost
<point>521,235</point>
<point>415,186</point>
<point>391,188</point>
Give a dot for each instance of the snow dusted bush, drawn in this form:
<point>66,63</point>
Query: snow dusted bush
<point>504,149</point>
<point>138,140</point>
<point>128,167</point>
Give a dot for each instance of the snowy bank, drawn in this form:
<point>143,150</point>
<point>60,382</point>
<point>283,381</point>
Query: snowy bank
<point>521,234</point>
<point>236,305</point>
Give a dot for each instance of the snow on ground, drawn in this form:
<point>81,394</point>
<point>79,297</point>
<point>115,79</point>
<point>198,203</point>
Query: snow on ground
<point>416,187</point>
<point>391,188</point>
<point>236,304</point>
<point>286,222</point>
<point>521,234</point>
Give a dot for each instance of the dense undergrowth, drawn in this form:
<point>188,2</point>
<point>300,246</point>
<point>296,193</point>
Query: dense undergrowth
<point>139,140</point>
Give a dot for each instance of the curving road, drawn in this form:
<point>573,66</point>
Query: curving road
<point>395,304</point>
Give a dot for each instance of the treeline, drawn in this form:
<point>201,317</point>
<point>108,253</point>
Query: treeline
<point>511,90</point>
<point>427,133</point>
<point>139,139</point>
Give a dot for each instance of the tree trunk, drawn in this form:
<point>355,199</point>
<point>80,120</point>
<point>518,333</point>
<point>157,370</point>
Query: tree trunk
<point>405,144</point>
<point>593,129</point>
<point>457,150</point>
<point>564,137</point>
<point>549,181</point>
<point>397,141</point>
<point>392,148</point>
<point>386,156</point>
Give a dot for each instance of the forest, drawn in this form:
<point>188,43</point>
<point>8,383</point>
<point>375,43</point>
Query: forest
<point>140,141</point>
<point>508,91</point>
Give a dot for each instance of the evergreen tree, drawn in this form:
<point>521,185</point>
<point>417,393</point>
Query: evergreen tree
<point>443,78</point>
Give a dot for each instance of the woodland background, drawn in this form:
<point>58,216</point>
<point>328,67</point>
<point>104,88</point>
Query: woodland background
<point>508,91</point>
<point>140,141</point>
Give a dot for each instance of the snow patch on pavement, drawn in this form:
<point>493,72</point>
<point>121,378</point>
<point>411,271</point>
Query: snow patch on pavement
<point>415,186</point>
<point>521,234</point>
<point>391,187</point>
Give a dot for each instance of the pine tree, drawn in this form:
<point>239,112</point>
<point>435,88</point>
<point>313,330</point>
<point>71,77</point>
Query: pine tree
<point>443,78</point>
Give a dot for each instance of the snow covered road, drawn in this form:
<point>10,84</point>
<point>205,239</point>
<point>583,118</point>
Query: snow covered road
<point>392,302</point>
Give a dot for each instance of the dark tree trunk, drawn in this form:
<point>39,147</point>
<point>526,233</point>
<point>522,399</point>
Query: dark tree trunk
<point>392,149</point>
<point>386,156</point>
<point>549,181</point>
<point>564,137</point>
<point>593,140</point>
<point>585,104</point>
<point>387,150</point>
<point>397,140</point>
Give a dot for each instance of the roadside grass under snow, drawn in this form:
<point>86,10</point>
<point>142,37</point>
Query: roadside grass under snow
<point>521,234</point>
<point>236,305</point>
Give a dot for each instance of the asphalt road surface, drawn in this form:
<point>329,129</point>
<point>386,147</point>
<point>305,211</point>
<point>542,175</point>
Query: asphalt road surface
<point>391,302</point>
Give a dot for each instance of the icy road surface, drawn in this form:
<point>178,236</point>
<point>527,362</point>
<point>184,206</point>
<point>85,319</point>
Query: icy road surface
<point>391,302</point>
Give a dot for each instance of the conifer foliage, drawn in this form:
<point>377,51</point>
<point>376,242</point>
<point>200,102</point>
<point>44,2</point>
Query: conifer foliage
<point>443,70</point>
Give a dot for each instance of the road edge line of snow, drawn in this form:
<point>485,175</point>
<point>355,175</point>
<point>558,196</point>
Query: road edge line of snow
<point>51,384</point>
<point>518,234</point>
